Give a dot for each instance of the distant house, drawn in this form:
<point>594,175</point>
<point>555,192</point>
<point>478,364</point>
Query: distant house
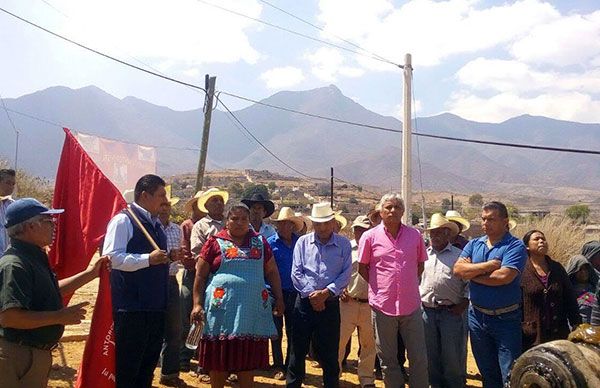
<point>534,213</point>
<point>592,232</point>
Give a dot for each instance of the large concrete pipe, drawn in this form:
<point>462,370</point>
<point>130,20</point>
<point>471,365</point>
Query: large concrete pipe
<point>573,363</point>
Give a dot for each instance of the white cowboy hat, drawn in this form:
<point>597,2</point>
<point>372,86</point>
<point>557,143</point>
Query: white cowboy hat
<point>439,221</point>
<point>341,219</point>
<point>172,200</point>
<point>129,195</point>
<point>321,212</point>
<point>287,214</point>
<point>453,215</point>
<point>361,222</point>
<point>208,194</point>
<point>188,207</point>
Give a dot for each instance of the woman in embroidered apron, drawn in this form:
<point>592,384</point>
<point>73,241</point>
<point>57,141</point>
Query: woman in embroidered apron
<point>230,296</point>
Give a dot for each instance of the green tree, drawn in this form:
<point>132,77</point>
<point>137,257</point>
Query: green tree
<point>513,211</point>
<point>476,200</point>
<point>272,186</point>
<point>235,189</point>
<point>353,200</point>
<point>578,212</point>
<point>254,188</point>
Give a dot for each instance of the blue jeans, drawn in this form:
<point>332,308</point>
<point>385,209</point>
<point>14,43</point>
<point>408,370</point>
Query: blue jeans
<point>445,337</point>
<point>186,302</point>
<point>172,343</point>
<point>496,344</point>
<point>289,299</point>
<point>322,329</point>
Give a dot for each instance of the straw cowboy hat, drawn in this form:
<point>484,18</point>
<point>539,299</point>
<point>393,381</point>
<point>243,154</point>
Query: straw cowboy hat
<point>172,200</point>
<point>205,196</point>
<point>511,224</point>
<point>321,212</point>
<point>258,197</point>
<point>287,214</point>
<point>341,219</point>
<point>305,219</point>
<point>439,221</point>
<point>361,222</point>
<point>129,195</point>
<point>453,215</point>
<point>189,205</point>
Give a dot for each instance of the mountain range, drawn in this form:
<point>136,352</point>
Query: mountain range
<point>312,145</point>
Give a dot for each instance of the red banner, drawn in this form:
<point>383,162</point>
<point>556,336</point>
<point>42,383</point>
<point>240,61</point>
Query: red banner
<point>90,200</point>
<point>98,364</point>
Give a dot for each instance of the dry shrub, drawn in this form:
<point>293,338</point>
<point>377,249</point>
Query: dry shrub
<point>565,237</point>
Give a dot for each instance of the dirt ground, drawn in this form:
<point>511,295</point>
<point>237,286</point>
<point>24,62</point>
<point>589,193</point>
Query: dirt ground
<point>68,356</point>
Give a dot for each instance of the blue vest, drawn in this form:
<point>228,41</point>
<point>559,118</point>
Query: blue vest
<point>145,289</point>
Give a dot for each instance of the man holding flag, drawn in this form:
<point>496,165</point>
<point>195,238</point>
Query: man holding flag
<point>137,247</point>
<point>32,316</point>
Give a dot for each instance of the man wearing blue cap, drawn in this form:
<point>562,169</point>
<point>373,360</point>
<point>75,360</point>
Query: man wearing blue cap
<point>32,316</point>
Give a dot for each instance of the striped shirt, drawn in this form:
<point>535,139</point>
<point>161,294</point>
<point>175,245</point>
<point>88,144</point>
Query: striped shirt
<point>173,233</point>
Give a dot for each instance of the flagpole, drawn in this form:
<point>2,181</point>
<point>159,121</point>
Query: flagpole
<point>143,229</point>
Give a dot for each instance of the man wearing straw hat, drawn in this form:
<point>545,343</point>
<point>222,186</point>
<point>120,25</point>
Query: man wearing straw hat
<point>457,239</point>
<point>445,299</point>
<point>321,268</point>
<point>137,246</point>
<point>169,355</point>
<point>282,243</point>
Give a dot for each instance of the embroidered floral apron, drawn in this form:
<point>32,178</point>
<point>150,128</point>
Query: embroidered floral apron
<point>236,302</point>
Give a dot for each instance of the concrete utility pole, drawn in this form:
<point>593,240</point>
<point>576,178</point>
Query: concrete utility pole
<point>209,83</point>
<point>406,139</point>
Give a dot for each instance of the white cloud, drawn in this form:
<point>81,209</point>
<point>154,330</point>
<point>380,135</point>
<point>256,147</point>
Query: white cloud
<point>572,106</point>
<point>515,76</point>
<point>430,30</point>
<point>571,40</point>
<point>325,63</point>
<point>190,33</point>
<point>282,77</point>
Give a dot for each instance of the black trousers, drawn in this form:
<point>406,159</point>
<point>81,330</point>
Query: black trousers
<point>138,340</point>
<point>289,299</point>
<point>323,328</point>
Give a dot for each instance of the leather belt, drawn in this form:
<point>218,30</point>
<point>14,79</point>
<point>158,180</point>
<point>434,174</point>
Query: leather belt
<point>359,300</point>
<point>439,306</point>
<point>498,311</point>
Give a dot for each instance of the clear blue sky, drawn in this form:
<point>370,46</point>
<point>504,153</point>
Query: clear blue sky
<point>483,60</point>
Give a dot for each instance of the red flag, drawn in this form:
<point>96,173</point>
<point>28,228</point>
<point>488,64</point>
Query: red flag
<point>98,365</point>
<point>90,200</point>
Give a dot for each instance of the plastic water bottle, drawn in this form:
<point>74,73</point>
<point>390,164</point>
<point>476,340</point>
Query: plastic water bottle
<point>193,338</point>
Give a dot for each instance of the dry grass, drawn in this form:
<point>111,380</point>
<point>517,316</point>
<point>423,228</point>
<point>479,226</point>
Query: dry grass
<point>565,237</point>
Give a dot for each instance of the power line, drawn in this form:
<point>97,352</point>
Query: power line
<point>465,140</point>
<point>103,54</point>
<point>54,124</point>
<point>323,30</point>
<point>260,143</point>
<point>374,57</point>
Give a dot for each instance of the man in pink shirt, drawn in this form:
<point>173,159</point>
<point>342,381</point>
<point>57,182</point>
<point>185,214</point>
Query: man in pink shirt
<point>391,257</point>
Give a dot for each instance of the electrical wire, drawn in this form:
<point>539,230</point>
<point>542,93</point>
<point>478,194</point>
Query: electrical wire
<point>290,31</point>
<point>103,54</point>
<point>54,124</point>
<point>364,125</point>
<point>323,30</point>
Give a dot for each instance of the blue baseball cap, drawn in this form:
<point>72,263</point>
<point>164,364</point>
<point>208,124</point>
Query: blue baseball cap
<point>24,209</point>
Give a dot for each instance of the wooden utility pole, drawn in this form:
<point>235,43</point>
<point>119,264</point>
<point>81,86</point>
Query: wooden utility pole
<point>406,140</point>
<point>209,83</point>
